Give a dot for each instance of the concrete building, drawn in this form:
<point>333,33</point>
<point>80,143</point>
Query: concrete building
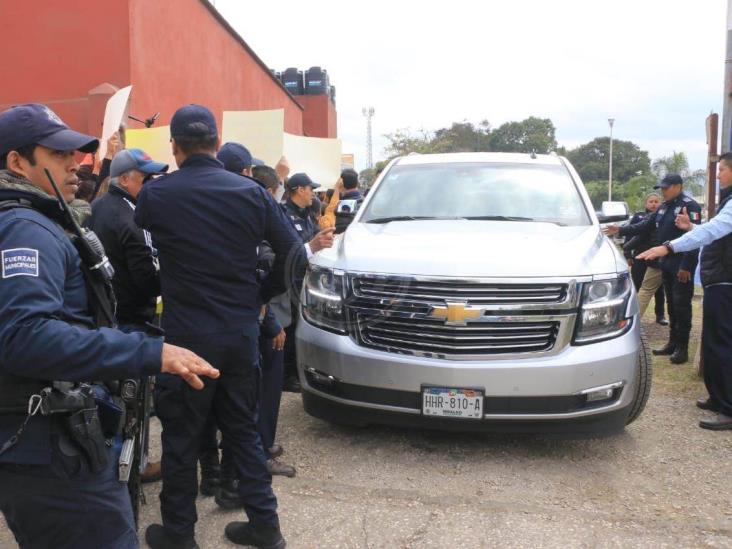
<point>74,55</point>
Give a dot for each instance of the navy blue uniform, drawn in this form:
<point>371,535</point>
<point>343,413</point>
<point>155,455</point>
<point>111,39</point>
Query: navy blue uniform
<point>49,496</point>
<point>130,251</point>
<point>305,227</point>
<point>207,224</point>
<point>272,374</point>
<point>661,227</point>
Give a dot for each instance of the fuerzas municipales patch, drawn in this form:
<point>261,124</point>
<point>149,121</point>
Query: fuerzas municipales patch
<point>20,262</point>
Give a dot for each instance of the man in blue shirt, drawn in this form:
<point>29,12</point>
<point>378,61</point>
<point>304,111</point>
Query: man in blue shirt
<point>716,276</point>
<point>57,490</point>
<point>207,224</point>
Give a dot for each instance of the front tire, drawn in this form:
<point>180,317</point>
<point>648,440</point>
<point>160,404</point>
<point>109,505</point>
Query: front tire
<point>642,381</point>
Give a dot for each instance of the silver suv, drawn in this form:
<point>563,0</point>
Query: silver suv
<point>474,291</point>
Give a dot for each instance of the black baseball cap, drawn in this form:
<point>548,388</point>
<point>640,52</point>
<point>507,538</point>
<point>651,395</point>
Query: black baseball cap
<point>235,157</point>
<point>34,123</point>
<point>668,180</point>
<point>193,121</point>
<point>301,180</point>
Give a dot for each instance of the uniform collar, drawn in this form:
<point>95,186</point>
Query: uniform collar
<point>301,212</point>
<point>201,160</point>
<point>119,191</point>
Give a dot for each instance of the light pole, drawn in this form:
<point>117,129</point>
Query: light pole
<point>368,112</point>
<point>611,121</point>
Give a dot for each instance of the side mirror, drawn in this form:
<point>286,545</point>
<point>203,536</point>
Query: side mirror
<point>347,207</point>
<point>613,212</point>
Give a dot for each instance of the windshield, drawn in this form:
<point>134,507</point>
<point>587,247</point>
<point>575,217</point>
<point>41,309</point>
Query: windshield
<point>500,192</point>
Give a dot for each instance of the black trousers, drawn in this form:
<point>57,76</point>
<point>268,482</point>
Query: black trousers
<point>717,345</point>
<point>65,506</point>
<point>272,376</point>
<point>290,355</point>
<point>679,295</point>
<point>637,272</point>
<point>233,399</point>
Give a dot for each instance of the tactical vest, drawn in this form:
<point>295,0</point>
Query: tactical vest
<point>716,258</point>
<point>15,391</point>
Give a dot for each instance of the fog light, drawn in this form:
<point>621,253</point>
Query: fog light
<point>320,377</point>
<point>604,392</point>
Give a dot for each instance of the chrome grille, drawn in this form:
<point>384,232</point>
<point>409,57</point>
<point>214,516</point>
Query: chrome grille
<point>397,314</point>
<point>477,293</point>
<point>425,336</point>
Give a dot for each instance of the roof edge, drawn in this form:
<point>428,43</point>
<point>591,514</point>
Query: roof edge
<point>224,23</point>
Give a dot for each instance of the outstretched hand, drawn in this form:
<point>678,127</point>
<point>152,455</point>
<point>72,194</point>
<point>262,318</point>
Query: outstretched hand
<point>653,253</point>
<point>186,364</point>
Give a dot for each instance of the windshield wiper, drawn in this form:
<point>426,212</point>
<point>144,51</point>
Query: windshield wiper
<point>498,218</point>
<point>398,218</point>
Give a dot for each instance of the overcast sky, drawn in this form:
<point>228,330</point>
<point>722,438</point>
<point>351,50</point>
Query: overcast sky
<point>656,66</point>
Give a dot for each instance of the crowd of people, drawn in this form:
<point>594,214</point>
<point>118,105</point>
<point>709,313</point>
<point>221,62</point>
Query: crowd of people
<point>221,244</point>
<point>663,250</point>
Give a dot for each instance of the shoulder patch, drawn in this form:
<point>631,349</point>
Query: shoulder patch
<point>20,262</point>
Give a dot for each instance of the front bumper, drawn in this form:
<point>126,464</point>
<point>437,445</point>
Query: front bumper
<point>345,382</point>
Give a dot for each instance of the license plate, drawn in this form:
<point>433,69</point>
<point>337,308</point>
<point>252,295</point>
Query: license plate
<point>457,403</point>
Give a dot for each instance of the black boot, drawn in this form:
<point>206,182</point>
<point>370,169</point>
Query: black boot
<point>262,536</point>
<point>157,537</point>
<point>210,473</point>
<point>228,495</point>
<point>666,350</point>
<point>681,355</point>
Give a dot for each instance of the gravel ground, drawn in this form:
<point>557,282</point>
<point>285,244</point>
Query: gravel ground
<point>662,483</point>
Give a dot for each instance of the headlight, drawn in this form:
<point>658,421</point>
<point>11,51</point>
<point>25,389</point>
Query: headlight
<point>323,299</point>
<point>603,311</point>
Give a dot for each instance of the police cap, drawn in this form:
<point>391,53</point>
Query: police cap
<point>669,180</point>
<point>301,180</point>
<point>193,121</point>
<point>234,157</point>
<point>34,123</point>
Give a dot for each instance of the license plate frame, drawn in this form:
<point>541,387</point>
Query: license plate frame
<point>471,395</point>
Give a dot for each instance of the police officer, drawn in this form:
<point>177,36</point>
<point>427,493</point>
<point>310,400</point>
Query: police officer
<point>676,271</point>
<point>716,277</point>
<point>301,191</point>
<point>236,158</point>
<point>58,474</point>
<point>207,224</point>
<point>129,248</point>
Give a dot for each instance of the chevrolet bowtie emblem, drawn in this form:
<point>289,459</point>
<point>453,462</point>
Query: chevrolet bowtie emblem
<point>456,313</point>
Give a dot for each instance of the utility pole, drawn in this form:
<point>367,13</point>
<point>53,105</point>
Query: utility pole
<point>727,103</point>
<point>611,121</point>
<point>368,112</point>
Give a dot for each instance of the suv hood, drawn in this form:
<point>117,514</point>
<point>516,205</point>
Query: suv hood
<point>464,248</point>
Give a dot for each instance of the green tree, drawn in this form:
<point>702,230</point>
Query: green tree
<point>677,162</point>
<point>462,137</point>
<point>592,160</point>
<point>403,141</point>
<point>531,135</point>
<point>636,189</point>
<point>367,176</point>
